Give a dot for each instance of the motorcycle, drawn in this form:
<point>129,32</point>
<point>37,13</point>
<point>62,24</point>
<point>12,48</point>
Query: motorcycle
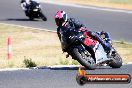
<point>76,44</point>
<point>34,11</point>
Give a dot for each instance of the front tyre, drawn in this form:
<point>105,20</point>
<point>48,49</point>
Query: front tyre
<point>85,60</point>
<point>43,17</point>
<point>117,61</point>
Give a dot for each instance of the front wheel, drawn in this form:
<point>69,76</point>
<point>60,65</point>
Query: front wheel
<point>43,17</point>
<point>117,60</point>
<point>85,60</point>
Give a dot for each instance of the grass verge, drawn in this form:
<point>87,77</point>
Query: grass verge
<point>119,4</point>
<point>42,47</point>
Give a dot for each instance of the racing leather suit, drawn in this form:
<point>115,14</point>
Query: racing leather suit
<point>72,24</point>
<point>25,4</point>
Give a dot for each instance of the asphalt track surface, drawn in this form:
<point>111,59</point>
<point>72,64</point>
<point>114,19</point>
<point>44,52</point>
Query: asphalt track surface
<point>119,24</point>
<point>57,78</point>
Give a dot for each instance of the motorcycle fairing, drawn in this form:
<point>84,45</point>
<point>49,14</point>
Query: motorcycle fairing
<point>100,54</point>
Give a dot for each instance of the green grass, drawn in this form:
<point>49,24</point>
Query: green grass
<point>29,63</point>
<point>64,62</point>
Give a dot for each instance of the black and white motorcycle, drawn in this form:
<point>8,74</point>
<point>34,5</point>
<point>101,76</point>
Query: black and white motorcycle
<point>34,11</point>
<point>76,45</point>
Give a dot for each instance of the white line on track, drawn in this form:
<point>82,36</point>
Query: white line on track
<point>41,29</point>
<point>13,69</point>
<point>46,67</point>
<point>90,7</point>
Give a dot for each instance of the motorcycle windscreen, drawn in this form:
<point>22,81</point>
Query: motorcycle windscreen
<point>100,54</point>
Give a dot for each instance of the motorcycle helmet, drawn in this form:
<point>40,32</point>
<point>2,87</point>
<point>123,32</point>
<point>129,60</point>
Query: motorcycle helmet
<point>102,32</point>
<point>60,17</point>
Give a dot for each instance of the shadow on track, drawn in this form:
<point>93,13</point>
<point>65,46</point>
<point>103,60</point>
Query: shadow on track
<point>20,19</point>
<point>69,68</point>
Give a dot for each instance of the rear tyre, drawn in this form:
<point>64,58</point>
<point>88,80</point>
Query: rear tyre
<point>31,18</point>
<point>117,61</point>
<point>85,60</point>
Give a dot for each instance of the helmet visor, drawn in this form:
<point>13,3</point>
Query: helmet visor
<point>57,21</point>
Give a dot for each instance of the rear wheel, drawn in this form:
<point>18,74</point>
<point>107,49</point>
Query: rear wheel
<point>31,18</point>
<point>117,60</point>
<point>84,59</point>
<point>30,15</point>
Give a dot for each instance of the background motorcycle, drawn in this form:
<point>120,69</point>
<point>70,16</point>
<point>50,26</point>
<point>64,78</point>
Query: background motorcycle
<point>74,43</point>
<point>34,11</point>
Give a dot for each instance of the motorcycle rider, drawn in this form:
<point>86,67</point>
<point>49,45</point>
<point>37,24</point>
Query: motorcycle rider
<point>25,4</point>
<point>105,35</point>
<point>65,23</point>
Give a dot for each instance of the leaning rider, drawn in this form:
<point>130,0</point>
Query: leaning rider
<point>63,22</point>
<point>25,4</point>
